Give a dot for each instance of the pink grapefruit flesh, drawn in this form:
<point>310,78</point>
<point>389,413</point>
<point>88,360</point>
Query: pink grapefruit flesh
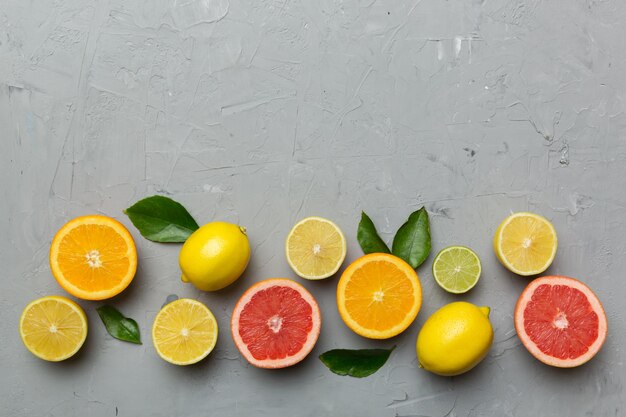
<point>276,323</point>
<point>560,321</point>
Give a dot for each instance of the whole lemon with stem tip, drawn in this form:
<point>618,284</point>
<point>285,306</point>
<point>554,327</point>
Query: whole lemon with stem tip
<point>454,339</point>
<point>214,256</point>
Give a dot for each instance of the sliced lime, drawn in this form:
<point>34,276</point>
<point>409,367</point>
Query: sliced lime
<point>456,269</point>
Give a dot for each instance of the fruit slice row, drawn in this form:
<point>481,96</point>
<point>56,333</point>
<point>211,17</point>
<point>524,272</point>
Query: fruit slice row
<point>276,323</point>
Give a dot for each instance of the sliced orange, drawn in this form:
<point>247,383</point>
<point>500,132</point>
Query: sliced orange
<point>379,296</point>
<point>93,257</point>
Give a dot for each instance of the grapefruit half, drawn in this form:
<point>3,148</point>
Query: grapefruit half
<point>560,321</point>
<point>276,323</point>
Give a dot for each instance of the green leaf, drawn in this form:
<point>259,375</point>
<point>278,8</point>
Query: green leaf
<point>412,240</point>
<point>368,236</point>
<point>356,363</point>
<point>161,219</point>
<point>118,326</point>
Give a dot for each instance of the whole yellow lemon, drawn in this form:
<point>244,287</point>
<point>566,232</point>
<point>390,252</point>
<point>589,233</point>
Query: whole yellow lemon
<point>454,339</point>
<point>214,256</point>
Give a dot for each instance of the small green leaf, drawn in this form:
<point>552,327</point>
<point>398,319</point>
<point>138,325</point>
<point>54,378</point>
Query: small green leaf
<point>356,363</point>
<point>161,219</point>
<point>368,236</point>
<point>412,240</point>
<point>118,326</point>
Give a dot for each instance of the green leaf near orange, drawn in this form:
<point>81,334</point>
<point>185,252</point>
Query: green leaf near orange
<point>161,219</point>
<point>356,363</point>
<point>411,242</point>
<point>368,237</point>
<point>118,326</point>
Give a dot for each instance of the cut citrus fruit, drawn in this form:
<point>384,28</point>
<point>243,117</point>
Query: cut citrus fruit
<point>53,328</point>
<point>379,296</point>
<point>315,248</point>
<point>184,332</point>
<point>525,243</point>
<point>276,323</point>
<point>93,257</point>
<point>456,269</point>
<point>560,321</point>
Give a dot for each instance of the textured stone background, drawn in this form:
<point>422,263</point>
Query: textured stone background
<point>263,112</point>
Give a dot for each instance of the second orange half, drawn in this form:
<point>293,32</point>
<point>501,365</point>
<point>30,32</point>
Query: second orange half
<point>379,296</point>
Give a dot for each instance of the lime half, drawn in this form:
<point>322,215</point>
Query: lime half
<point>456,269</point>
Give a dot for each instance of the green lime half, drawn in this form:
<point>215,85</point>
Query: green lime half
<point>456,269</point>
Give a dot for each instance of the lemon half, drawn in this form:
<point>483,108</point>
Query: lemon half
<point>184,332</point>
<point>315,248</point>
<point>53,328</point>
<point>525,243</point>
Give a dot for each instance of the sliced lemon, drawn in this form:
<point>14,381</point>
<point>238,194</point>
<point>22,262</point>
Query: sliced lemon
<point>315,248</point>
<point>525,243</point>
<point>53,328</point>
<point>184,332</point>
<point>457,269</point>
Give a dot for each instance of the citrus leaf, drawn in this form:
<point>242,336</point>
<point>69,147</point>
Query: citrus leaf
<point>118,326</point>
<point>356,363</point>
<point>368,237</point>
<point>412,240</point>
<point>161,219</point>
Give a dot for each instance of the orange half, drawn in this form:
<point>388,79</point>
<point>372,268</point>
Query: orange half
<point>379,296</point>
<point>93,257</point>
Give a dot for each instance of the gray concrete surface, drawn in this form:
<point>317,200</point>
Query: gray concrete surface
<point>263,112</point>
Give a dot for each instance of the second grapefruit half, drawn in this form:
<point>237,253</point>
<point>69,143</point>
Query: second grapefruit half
<point>276,323</point>
<point>560,321</point>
